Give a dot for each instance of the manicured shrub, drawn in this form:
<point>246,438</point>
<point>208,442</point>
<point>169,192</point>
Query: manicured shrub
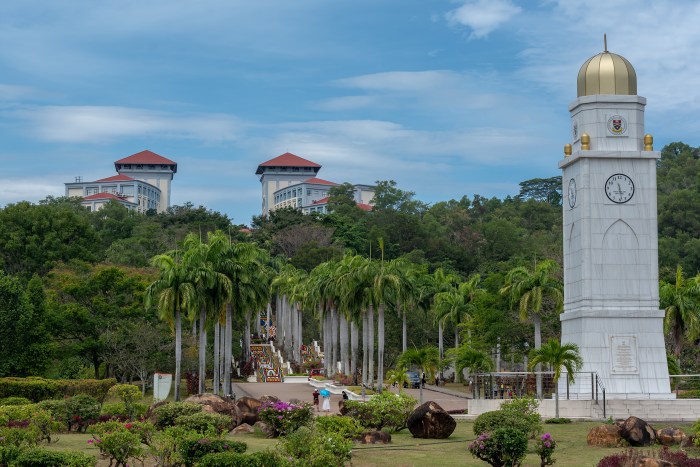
<point>37,457</point>
<point>503,447</point>
<point>168,413</point>
<point>545,449</point>
<point>120,446</point>
<point>526,407</point>
<point>284,418</point>
<point>488,422</point>
<point>119,411</point>
<point>80,411</point>
<point>633,457</point>
<point>38,389</point>
<point>20,434</point>
<point>309,448</point>
<point>10,413</point>
<point>558,421</point>
<point>45,424</point>
<point>193,448</point>
<point>202,422</point>
<point>128,394</point>
<point>15,401</point>
<point>383,410</point>
<point>347,427</point>
<point>234,459</point>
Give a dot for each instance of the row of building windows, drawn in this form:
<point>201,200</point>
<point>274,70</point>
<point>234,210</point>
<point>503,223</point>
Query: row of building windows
<point>296,193</point>
<point>146,166</point>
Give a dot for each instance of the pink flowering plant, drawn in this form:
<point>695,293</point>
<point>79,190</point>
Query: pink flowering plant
<point>545,449</point>
<point>503,447</point>
<point>284,418</point>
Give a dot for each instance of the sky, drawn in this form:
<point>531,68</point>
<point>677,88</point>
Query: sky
<point>446,97</point>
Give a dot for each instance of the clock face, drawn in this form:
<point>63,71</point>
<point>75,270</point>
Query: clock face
<point>619,188</point>
<point>572,192</point>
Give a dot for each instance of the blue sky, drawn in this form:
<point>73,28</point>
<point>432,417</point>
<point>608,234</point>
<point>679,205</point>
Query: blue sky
<point>448,98</point>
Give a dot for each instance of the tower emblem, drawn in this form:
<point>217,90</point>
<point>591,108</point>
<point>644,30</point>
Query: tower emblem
<point>617,125</point>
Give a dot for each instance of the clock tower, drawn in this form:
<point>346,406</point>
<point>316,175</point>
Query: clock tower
<point>611,283</point>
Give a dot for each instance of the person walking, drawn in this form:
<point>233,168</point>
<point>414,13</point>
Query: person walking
<point>326,402</point>
<point>316,394</point>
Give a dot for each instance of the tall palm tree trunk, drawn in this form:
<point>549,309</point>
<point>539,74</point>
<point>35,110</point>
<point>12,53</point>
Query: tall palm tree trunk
<point>441,347</point>
<point>370,325</point>
<point>538,343</point>
<point>217,339</point>
<point>353,349</point>
<point>404,332</point>
<point>300,331</point>
<point>228,337</point>
<point>345,366</point>
<point>380,350</point>
<point>246,336</point>
<point>178,352</point>
<point>334,339</point>
<point>365,346</point>
<point>458,374</point>
<point>326,344</point>
<point>202,349</point>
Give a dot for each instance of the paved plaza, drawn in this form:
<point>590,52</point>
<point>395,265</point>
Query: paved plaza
<point>448,400</point>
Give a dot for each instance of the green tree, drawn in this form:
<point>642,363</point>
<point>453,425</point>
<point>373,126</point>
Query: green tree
<point>547,190</point>
<point>528,289</point>
<point>426,359</point>
<point>466,356</point>
<point>557,356</point>
<point>681,301</point>
<point>173,293</point>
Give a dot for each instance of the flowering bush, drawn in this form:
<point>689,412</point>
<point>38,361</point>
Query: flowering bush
<point>284,418</point>
<point>383,410</point>
<point>129,394</point>
<point>545,449</point>
<point>310,448</point>
<point>503,447</point>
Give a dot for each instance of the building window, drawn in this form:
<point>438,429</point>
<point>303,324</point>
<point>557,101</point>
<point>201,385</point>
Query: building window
<point>308,192</point>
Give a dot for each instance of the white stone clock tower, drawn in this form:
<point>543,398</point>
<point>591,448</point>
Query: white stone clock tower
<point>611,283</point>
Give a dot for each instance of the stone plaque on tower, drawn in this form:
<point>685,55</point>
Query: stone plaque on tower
<point>611,283</point>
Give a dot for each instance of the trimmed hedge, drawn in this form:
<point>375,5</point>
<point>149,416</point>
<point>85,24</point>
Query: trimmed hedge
<point>39,457</point>
<point>235,459</point>
<point>488,422</point>
<point>39,389</point>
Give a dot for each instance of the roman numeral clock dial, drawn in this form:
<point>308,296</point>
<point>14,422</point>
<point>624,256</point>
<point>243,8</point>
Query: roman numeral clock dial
<point>619,188</point>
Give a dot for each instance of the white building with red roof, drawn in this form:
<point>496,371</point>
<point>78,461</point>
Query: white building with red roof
<point>142,184</point>
<point>290,181</point>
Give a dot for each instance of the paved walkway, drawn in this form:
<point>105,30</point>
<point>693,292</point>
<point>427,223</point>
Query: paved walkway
<point>447,399</point>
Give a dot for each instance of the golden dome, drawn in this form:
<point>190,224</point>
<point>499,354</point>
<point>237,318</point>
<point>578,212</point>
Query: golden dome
<point>607,73</point>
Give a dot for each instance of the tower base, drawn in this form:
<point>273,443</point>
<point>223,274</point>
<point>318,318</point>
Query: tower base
<point>624,347</point>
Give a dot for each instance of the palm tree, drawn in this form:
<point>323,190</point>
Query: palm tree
<point>440,281</point>
<point>457,304</point>
<point>528,289</point>
<point>466,356</point>
<point>398,377</point>
<point>173,292</point>
<point>557,356</point>
<point>681,301</point>
<point>426,359</point>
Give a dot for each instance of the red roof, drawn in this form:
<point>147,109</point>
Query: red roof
<point>103,196</point>
<point>319,181</point>
<point>364,207</point>
<point>146,157</point>
<point>321,201</point>
<point>287,160</point>
<point>116,178</point>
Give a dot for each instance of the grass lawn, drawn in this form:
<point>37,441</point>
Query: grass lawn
<point>404,450</point>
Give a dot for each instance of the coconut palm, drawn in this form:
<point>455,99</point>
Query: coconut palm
<point>173,293</point>
<point>557,356</point>
<point>529,289</point>
<point>438,282</point>
<point>426,359</point>
<point>681,301</point>
<point>399,376</point>
<point>466,356</point>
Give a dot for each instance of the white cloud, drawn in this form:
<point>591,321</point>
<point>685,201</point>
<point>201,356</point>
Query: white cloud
<point>32,189</point>
<point>95,124</point>
<point>12,92</point>
<point>483,16</point>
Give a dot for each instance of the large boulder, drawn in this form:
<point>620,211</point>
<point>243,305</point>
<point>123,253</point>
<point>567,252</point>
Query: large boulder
<point>248,407</point>
<point>243,428</point>
<point>637,432</point>
<point>216,404</point>
<point>264,428</point>
<point>268,399</point>
<point>429,420</point>
<point>670,436</point>
<point>605,436</point>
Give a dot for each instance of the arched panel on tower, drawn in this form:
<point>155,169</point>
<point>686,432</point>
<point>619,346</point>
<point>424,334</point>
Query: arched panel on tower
<point>574,264</point>
<point>620,261</point>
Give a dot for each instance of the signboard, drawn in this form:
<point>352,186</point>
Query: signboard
<point>623,355</point>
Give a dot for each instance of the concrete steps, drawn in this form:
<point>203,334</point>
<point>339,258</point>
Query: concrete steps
<point>682,410</point>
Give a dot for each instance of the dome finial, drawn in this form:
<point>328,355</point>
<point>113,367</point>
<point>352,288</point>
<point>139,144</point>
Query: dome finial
<point>605,41</point>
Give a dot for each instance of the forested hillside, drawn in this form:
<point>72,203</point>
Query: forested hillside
<point>72,282</point>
